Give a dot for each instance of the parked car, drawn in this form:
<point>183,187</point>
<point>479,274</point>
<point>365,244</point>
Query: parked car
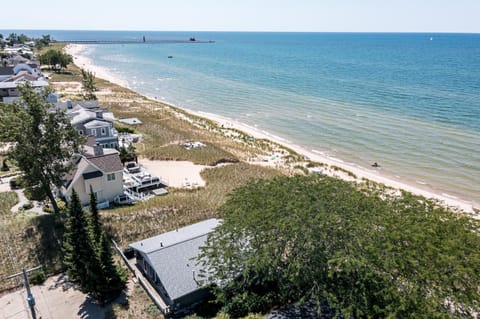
<point>13,184</point>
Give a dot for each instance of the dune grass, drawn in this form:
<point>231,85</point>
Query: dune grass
<point>181,207</point>
<point>27,240</point>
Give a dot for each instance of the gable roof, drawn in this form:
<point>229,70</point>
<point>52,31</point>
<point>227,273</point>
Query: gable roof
<point>172,256</point>
<point>176,236</point>
<point>107,163</point>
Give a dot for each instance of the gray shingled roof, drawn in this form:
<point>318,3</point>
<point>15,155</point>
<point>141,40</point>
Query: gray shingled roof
<point>172,256</point>
<point>6,70</point>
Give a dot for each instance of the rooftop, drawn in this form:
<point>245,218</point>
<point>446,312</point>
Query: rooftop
<point>176,236</point>
<point>107,163</point>
<point>172,256</point>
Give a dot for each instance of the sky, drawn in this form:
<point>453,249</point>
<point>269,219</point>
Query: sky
<point>244,15</point>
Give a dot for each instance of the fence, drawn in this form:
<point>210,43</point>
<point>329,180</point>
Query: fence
<point>163,308</point>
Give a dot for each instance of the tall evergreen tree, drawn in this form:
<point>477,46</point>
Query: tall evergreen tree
<point>107,280</point>
<point>113,280</point>
<point>78,253</point>
<point>95,223</point>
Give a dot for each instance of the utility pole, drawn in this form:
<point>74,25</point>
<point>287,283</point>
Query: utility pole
<point>30,299</point>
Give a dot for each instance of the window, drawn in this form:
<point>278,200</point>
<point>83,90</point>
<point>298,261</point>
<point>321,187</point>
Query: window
<point>111,177</point>
<point>104,131</point>
<point>94,131</point>
<point>80,132</point>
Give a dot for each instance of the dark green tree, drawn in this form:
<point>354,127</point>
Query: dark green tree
<point>88,262</point>
<point>109,280</point>
<point>127,154</point>
<point>95,223</point>
<point>113,278</point>
<point>45,40</point>
<point>12,38</point>
<point>22,38</point>
<point>78,251</point>
<point>357,248</point>
<point>44,142</point>
<point>56,59</point>
<point>88,84</point>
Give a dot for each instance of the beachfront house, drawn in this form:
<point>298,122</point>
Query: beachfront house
<point>9,91</point>
<point>6,72</point>
<point>91,120</point>
<point>167,261</point>
<point>19,73</point>
<point>98,168</point>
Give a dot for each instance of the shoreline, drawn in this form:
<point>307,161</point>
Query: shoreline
<point>361,172</point>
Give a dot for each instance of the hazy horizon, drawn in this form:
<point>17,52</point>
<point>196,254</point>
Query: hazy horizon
<point>369,16</point>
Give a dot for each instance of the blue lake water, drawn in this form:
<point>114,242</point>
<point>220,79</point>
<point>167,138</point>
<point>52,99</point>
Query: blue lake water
<point>407,101</point>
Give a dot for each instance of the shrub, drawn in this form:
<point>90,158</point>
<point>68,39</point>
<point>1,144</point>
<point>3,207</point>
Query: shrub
<point>123,129</point>
<point>34,193</point>
<point>37,277</point>
<point>152,310</point>
<point>4,167</point>
<point>27,206</point>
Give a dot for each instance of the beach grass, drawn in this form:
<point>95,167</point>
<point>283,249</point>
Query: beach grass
<point>27,240</point>
<point>182,206</point>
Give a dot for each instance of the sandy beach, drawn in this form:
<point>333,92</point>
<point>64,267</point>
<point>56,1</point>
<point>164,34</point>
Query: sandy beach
<point>178,174</point>
<point>372,174</point>
<point>85,63</point>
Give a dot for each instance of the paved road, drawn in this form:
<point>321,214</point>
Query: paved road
<point>54,299</point>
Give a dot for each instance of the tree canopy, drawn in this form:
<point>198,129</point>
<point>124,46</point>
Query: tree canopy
<point>43,141</point>
<point>55,58</point>
<point>88,85</point>
<point>359,251</point>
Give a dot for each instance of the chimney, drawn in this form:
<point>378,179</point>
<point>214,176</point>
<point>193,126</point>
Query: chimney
<point>100,115</point>
<point>97,150</point>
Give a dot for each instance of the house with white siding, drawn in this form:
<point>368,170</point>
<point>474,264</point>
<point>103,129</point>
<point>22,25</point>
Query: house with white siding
<point>96,169</point>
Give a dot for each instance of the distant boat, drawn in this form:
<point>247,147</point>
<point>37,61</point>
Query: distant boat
<point>431,39</point>
<point>170,56</point>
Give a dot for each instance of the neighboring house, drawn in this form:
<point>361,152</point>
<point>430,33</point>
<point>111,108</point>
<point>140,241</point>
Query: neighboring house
<point>91,120</point>
<point>168,261</point>
<point>6,72</point>
<point>31,68</point>
<point>9,90</point>
<point>97,168</point>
